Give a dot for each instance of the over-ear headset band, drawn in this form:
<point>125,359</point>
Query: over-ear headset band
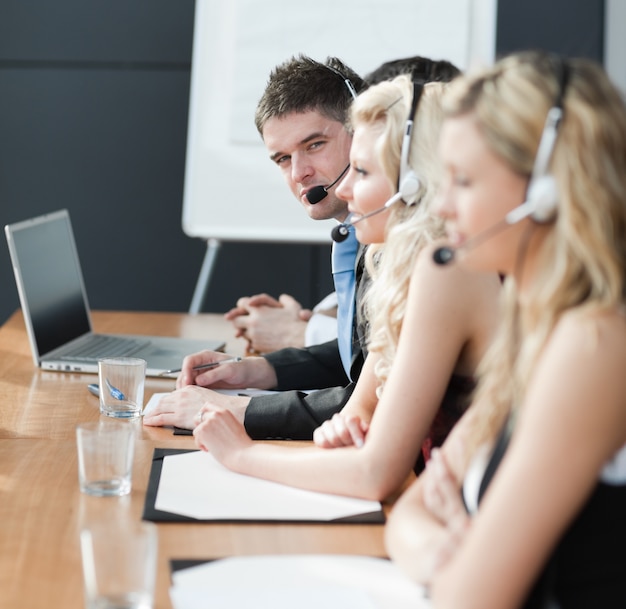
<point>545,197</point>
<point>406,173</point>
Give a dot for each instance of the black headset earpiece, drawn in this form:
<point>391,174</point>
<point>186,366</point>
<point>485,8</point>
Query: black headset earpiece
<point>542,193</point>
<point>408,182</point>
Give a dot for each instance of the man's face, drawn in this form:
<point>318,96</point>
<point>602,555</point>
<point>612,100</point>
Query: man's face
<point>310,150</point>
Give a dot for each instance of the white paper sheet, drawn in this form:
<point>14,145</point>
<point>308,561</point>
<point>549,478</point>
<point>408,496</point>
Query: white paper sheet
<point>303,581</point>
<point>156,397</point>
<point>195,484</point>
<point>277,597</point>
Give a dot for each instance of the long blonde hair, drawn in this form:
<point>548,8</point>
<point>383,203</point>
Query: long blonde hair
<point>583,258</point>
<point>385,107</point>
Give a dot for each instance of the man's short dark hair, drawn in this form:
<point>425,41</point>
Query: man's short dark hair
<point>301,84</point>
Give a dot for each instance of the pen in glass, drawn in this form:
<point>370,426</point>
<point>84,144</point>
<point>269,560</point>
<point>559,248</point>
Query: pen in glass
<point>230,360</point>
<point>116,393</point>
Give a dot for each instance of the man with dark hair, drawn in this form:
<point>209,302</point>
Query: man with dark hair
<point>302,120</point>
<point>300,89</point>
<point>301,117</point>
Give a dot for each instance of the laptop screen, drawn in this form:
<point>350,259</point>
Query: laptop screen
<point>51,280</point>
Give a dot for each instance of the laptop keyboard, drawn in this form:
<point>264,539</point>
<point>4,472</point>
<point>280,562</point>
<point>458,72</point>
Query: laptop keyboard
<point>106,346</point>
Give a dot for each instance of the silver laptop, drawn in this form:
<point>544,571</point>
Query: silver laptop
<point>56,311</point>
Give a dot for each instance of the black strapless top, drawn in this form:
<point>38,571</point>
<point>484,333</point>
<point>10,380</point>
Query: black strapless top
<point>587,569</point>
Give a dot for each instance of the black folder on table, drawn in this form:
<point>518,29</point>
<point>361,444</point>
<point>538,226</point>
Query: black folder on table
<point>153,514</point>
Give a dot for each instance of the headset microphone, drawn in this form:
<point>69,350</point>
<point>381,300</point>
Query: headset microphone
<point>317,193</point>
<point>340,232</point>
<point>408,183</point>
<point>446,254</point>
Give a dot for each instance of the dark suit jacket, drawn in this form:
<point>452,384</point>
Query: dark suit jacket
<point>294,414</point>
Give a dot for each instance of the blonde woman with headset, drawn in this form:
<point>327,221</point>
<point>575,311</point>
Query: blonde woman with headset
<point>539,460</point>
<point>429,329</point>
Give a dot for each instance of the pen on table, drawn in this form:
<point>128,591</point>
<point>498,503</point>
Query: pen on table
<point>230,360</point>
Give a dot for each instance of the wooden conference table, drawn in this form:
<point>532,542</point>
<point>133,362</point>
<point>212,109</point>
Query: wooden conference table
<point>42,510</point>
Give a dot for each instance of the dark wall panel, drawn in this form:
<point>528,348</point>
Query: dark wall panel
<point>151,31</point>
<point>250,268</point>
<point>108,145</point>
<point>570,27</point>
